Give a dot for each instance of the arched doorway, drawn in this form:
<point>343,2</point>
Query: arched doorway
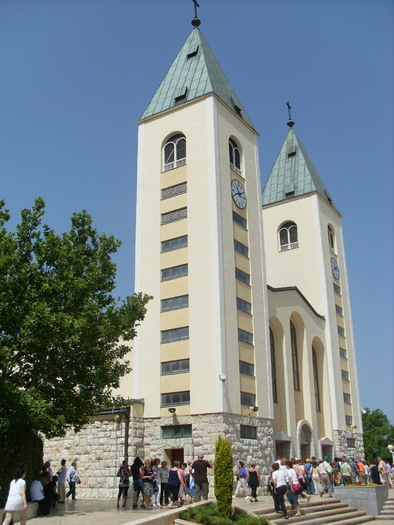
<point>304,440</point>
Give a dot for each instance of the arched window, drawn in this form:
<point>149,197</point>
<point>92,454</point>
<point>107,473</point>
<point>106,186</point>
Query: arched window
<point>174,152</point>
<point>273,368</point>
<point>294,357</point>
<point>316,379</point>
<point>331,238</point>
<point>235,156</point>
<point>288,236</point>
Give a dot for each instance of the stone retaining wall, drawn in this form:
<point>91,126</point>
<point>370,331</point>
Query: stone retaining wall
<point>99,450</point>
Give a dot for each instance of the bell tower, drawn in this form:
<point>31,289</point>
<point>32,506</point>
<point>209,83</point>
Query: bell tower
<point>200,356</point>
<point>304,247</point>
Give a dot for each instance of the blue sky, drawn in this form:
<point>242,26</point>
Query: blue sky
<point>77,75</point>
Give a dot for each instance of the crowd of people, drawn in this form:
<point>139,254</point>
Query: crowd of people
<point>47,489</point>
<point>155,483</point>
<point>295,478</point>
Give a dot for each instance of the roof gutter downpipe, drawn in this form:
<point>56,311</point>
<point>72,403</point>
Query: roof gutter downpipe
<point>126,432</point>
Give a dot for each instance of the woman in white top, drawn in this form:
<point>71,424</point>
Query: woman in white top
<point>280,489</point>
<point>292,494</point>
<point>16,500</point>
<point>156,471</point>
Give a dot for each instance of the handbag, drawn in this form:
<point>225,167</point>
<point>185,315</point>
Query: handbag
<point>297,486</point>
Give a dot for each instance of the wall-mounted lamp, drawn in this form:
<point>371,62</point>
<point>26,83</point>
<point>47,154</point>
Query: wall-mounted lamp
<point>222,378</point>
<point>353,427</point>
<point>253,409</point>
<point>117,419</point>
<point>172,410</point>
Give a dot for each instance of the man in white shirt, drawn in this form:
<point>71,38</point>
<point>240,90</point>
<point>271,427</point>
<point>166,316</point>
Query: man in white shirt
<point>73,478</point>
<point>325,473</point>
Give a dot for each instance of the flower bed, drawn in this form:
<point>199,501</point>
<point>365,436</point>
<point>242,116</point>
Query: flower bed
<point>369,498</point>
<point>359,484</point>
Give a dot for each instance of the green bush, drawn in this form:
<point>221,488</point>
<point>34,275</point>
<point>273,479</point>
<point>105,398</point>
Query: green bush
<point>223,475</point>
<point>209,515</point>
<point>205,514</point>
<point>244,519</point>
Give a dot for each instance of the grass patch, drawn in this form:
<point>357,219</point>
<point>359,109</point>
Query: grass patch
<point>208,515</point>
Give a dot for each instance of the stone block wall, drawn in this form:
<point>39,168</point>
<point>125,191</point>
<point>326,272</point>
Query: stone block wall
<point>341,444</point>
<point>99,450</point>
<point>206,428</point>
<point>99,447</point>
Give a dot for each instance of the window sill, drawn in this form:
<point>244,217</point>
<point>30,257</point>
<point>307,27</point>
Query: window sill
<point>287,247</point>
<point>173,165</point>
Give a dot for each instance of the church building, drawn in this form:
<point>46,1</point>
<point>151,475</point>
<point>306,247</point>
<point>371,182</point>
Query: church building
<point>249,332</point>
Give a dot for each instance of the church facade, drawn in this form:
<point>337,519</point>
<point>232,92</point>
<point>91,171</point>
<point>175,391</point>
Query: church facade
<point>249,332</point>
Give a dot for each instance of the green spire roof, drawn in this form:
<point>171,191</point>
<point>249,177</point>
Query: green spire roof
<point>194,73</point>
<point>293,174</point>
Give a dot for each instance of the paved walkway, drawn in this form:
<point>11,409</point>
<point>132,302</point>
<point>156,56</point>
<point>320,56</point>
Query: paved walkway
<point>93,512</point>
<point>103,512</point>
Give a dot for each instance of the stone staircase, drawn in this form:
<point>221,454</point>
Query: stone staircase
<point>387,514</point>
<point>327,510</point>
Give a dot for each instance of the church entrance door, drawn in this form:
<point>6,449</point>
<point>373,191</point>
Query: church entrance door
<point>175,454</point>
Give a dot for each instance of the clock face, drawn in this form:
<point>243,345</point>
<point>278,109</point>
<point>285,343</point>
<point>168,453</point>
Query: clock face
<point>238,193</point>
<point>334,268</point>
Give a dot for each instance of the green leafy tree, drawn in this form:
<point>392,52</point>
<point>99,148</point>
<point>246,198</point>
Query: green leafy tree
<point>61,329</point>
<point>223,474</point>
<point>378,434</point>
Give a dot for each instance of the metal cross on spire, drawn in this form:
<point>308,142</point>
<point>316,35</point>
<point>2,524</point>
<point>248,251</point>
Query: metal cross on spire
<point>290,122</point>
<point>196,21</point>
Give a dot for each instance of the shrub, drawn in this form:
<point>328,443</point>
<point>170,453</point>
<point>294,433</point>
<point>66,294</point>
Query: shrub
<point>223,474</point>
<point>244,519</point>
<point>208,515</point>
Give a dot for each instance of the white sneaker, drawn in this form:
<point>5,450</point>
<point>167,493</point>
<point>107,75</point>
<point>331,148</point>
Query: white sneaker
<point>234,497</point>
<point>246,497</point>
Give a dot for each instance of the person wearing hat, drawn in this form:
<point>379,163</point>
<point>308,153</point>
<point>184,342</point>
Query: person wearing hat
<point>308,478</point>
<point>325,474</point>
